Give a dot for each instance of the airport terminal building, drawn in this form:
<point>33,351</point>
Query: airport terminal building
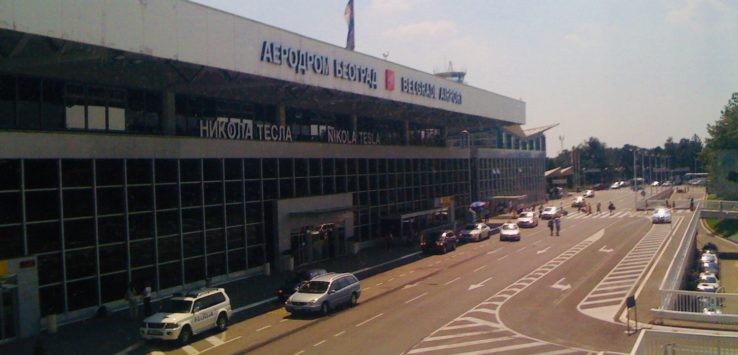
<point>171,143</point>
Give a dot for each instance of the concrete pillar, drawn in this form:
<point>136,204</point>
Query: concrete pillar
<point>281,114</point>
<point>406,133</point>
<point>168,113</point>
<point>354,122</point>
<point>444,135</point>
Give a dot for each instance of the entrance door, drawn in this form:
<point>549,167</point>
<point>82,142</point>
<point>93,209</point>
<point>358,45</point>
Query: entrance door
<point>8,309</point>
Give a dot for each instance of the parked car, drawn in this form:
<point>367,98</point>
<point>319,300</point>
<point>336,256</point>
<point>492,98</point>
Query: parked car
<point>438,241</point>
<point>655,183</point>
<point>184,316</point>
<point>710,278</point>
<point>713,268</point>
<point>509,231</point>
<point>325,293</point>
<point>615,185</point>
<point>291,285</point>
<point>707,287</point>
<point>589,193</point>
<point>550,212</point>
<point>708,257</point>
<point>474,232</point>
<point>527,219</point>
<point>661,215</point>
<point>598,187</point>
<point>578,202</point>
<point>666,183</point>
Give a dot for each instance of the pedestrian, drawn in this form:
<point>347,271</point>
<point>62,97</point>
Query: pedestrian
<point>551,227</point>
<point>599,207</point>
<point>611,207</point>
<point>540,211</point>
<point>557,224</point>
<point>691,203</point>
<point>589,208</point>
<point>132,298</point>
<point>147,299</point>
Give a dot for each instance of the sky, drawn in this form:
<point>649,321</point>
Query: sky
<point>626,72</point>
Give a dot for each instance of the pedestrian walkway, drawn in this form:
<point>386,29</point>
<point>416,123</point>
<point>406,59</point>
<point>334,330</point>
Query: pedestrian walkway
<point>117,334</point>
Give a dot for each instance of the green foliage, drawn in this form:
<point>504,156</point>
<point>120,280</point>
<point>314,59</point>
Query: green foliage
<point>724,133</point>
<point>723,227</point>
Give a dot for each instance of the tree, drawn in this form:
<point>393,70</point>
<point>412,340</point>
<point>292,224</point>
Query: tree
<point>724,133</point>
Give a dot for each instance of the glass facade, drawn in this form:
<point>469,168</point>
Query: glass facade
<point>511,177</point>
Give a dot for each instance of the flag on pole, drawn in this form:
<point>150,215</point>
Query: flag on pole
<point>348,15</point>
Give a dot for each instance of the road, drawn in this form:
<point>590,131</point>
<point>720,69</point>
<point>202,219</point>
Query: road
<point>539,295</point>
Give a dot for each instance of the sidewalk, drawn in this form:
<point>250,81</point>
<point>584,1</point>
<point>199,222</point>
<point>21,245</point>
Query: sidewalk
<point>249,297</point>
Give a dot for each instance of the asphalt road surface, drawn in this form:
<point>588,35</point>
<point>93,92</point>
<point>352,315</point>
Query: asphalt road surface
<point>543,294</point>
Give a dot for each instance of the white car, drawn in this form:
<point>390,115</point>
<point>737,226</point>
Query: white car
<point>661,215</point>
<point>509,231</point>
<point>708,258</point>
<point>184,316</point>
<point>550,212</point>
<point>588,193</point>
<point>474,232</point>
<point>527,219</point>
<point>615,185</point>
<point>708,287</point>
<point>578,202</point>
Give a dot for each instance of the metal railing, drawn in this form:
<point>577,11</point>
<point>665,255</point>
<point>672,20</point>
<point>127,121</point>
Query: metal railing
<point>719,205</point>
<point>671,343</point>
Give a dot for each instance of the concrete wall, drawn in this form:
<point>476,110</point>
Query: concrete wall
<point>193,33</point>
<point>29,312</point>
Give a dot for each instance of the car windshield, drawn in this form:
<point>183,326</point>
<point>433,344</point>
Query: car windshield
<point>177,306</point>
<point>314,287</point>
<point>710,279</point>
<point>508,227</point>
<point>471,226</point>
<point>431,237</point>
<point>526,215</point>
<point>550,209</point>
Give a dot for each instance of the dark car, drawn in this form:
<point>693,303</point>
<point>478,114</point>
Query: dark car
<point>598,187</point>
<point>293,283</point>
<point>440,242</point>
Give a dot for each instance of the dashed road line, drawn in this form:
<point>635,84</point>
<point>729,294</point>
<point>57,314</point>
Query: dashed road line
<point>369,320</point>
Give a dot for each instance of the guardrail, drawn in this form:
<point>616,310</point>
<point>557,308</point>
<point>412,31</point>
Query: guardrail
<point>670,342</point>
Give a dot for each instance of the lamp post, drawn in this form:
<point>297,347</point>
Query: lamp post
<point>635,187</point>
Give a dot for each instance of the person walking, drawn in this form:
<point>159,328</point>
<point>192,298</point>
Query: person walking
<point>132,298</point>
<point>557,224</point>
<point>611,207</point>
<point>599,207</point>
<point>147,299</point>
<point>551,226</point>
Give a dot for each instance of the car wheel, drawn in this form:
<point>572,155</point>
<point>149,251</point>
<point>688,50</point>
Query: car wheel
<point>325,308</point>
<point>222,322</point>
<point>185,335</point>
<point>354,300</point>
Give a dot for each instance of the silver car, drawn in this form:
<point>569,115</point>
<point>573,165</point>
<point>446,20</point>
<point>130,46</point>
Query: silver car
<point>325,293</point>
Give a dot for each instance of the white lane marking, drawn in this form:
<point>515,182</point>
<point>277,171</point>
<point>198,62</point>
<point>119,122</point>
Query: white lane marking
<point>543,250</point>
<point>411,271</point>
<point>502,257</point>
<point>415,298</point>
<point>604,249</point>
<point>225,342</point>
<point>283,320</point>
<point>521,249</point>
<point>299,352</point>
<point>560,286</point>
<point>401,275</point>
<point>474,286</point>
<point>156,353</point>
<point>264,327</point>
<point>339,333</point>
<point>319,343</point>
<point>215,341</point>
<point>379,284</point>
<point>493,251</point>
<point>366,288</point>
<point>369,320</point>
<point>456,345</point>
<point>449,282</point>
<point>480,268</point>
<point>190,350</point>
<point>409,286</point>
<point>390,280</point>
